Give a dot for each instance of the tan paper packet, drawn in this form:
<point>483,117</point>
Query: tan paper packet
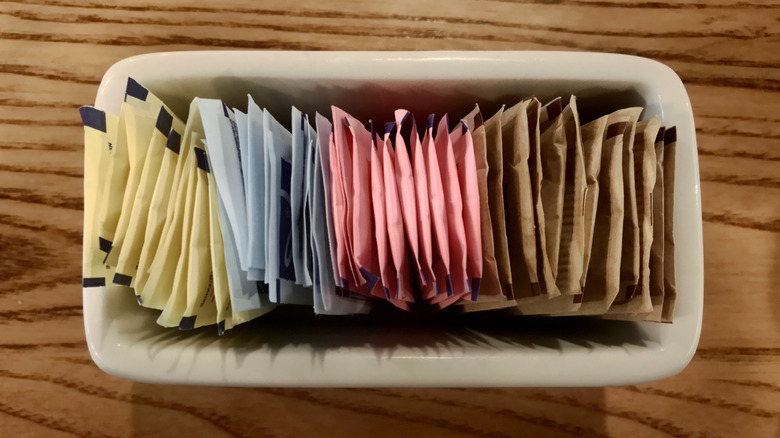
<point>536,171</point>
<point>571,246</point>
<point>516,138</point>
<point>553,154</point>
<point>592,141</point>
<point>491,295</point>
<point>645,176</point>
<point>603,277</point>
<point>166,188</point>
<point>160,282</point>
<point>631,255</point>
<point>657,247</point>
<point>670,280</point>
<point>129,250</point>
<point>495,185</point>
<point>570,263</point>
<point>99,132</point>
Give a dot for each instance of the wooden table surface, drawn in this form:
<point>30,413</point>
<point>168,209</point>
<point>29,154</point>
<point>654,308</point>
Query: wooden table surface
<point>54,52</point>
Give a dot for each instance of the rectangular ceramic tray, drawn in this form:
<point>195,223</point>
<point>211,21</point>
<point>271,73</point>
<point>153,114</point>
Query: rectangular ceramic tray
<point>292,347</point>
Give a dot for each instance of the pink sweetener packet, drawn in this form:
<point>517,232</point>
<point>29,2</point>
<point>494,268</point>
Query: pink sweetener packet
<point>440,261</point>
<point>404,178</point>
<point>342,144</point>
<point>346,275</point>
<point>364,247</point>
<point>453,207</point>
<point>388,274</point>
<point>424,226</point>
<point>395,224</point>
<point>465,162</point>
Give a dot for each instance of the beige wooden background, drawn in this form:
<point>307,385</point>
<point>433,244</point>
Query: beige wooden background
<point>53,54</point>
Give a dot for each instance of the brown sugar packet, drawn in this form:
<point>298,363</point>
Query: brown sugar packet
<point>516,135</point>
<point>494,152</point>
<point>602,280</point>
<point>553,155</point>
<point>670,281</point>
<point>571,246</point>
<point>644,175</point>
<point>630,257</point>
<point>570,262</point>
<point>592,140</point>
<point>491,295</point>
<point>657,247</point>
<point>536,170</point>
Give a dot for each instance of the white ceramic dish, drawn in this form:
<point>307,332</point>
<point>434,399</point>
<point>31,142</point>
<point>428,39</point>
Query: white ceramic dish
<point>295,349</point>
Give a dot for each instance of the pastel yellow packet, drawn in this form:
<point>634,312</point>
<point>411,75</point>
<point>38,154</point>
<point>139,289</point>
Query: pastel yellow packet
<point>139,130</point>
<point>99,132</point>
<point>162,205</point>
<point>137,100</point>
<point>172,266</point>
<point>165,263</point>
<point>113,188</point>
<point>201,305</point>
<point>164,142</point>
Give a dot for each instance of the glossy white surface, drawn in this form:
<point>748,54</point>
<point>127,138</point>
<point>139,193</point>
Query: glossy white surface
<point>295,348</point>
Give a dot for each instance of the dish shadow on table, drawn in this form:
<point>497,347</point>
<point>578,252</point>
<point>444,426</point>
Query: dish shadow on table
<point>388,332</point>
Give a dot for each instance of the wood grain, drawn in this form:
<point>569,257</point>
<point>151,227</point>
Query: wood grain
<point>53,54</point>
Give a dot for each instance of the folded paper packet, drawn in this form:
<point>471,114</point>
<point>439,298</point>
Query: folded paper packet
<point>491,294</point>
<point>118,167</point>
<point>527,211</point>
<point>565,135</point>
<point>165,263</point>
<point>495,183</point>
<point>166,126</point>
<point>283,287</point>
<point>362,222</point>
<point>99,133</point>
<point>439,227</point>
<point>458,287</point>
<point>254,185</point>
<point>300,140</point>
<point>396,232</point>
<point>630,262</point>
<point>602,283</point>
<point>517,137</point>
<point>253,271</point>
<point>164,197</point>
<point>670,281</point>
<point>404,179</point>
<point>335,299</point>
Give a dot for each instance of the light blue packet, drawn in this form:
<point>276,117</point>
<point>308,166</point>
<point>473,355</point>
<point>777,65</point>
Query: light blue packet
<point>255,184</point>
<point>280,255</point>
<point>300,132</point>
